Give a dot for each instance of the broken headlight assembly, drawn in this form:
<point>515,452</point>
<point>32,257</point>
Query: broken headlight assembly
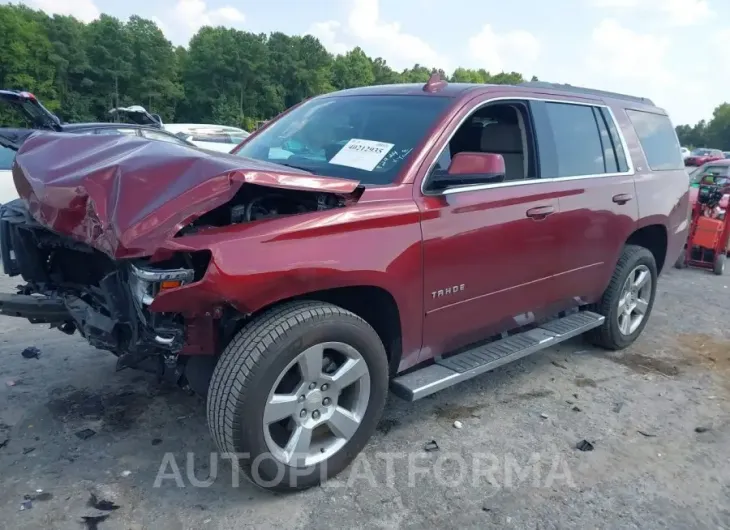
<point>147,282</point>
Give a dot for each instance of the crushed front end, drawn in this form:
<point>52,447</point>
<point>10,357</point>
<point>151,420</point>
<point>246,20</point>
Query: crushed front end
<point>74,287</point>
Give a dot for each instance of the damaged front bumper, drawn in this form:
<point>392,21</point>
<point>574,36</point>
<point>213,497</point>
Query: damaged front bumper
<point>73,287</point>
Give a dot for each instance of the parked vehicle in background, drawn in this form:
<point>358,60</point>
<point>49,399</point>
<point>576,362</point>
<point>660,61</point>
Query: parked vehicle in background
<point>406,235</point>
<point>7,185</point>
<point>703,155</point>
<point>726,153</point>
<point>214,137</point>
<point>685,152</point>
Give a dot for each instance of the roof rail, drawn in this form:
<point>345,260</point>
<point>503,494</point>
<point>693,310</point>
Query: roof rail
<point>586,91</point>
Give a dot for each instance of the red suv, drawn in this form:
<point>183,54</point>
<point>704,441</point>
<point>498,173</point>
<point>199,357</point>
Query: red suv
<point>407,236</point>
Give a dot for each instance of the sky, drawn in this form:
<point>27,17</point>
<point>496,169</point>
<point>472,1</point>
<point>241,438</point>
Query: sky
<point>672,51</point>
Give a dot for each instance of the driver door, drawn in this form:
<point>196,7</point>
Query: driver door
<point>490,252</point>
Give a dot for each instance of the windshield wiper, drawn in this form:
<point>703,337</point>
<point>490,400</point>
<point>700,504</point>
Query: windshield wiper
<point>296,167</point>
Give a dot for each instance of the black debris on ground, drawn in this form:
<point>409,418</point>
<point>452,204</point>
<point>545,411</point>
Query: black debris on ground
<point>31,352</point>
<point>102,504</point>
<point>92,521</point>
<point>85,434</point>
<point>584,445</point>
<point>431,446</point>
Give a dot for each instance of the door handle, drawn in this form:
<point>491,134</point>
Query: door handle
<point>540,212</point>
<point>622,198</point>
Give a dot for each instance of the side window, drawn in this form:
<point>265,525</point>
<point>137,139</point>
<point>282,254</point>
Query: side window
<point>618,147</point>
<point>502,128</point>
<point>576,138</point>
<point>658,140</point>
<point>610,163</point>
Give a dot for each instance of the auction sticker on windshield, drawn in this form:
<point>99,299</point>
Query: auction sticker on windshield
<point>361,154</point>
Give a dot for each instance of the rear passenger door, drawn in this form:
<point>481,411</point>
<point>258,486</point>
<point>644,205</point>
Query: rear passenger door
<point>581,146</point>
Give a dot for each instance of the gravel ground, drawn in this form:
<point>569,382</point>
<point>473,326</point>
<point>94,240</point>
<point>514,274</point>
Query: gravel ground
<point>513,464</point>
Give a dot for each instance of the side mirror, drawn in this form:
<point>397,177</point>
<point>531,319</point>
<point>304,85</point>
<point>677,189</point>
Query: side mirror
<point>470,169</point>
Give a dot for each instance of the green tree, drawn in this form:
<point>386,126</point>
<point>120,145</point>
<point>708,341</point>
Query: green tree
<point>353,69</point>
<point>154,80</point>
<point>224,75</point>
<point>111,58</point>
<point>26,61</point>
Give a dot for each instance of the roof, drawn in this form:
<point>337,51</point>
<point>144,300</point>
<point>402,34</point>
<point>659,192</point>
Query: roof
<point>451,90</point>
<point>455,90</point>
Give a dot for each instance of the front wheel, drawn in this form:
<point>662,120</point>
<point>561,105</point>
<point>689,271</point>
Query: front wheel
<point>628,300</point>
<point>298,393</point>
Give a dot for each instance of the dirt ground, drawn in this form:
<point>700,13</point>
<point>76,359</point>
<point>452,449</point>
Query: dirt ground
<point>657,416</point>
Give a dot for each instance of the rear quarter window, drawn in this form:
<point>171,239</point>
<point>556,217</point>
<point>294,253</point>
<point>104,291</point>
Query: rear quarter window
<point>658,139</point>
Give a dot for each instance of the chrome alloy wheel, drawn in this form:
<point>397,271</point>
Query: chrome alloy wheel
<point>316,404</point>
<point>634,300</point>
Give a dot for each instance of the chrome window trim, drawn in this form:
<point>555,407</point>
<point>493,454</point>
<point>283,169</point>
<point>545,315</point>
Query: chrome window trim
<point>479,187</point>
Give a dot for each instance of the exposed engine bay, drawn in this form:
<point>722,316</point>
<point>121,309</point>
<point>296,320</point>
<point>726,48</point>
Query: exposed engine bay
<point>255,203</point>
<point>74,287</point>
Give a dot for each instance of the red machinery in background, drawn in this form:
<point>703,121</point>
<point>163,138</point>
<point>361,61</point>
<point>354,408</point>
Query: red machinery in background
<point>709,231</point>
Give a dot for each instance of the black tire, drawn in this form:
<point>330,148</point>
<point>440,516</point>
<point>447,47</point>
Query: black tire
<point>248,369</point>
<point>608,335</point>
<point>718,267</point>
<point>681,262</point>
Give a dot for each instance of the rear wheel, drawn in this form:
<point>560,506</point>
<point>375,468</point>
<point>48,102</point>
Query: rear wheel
<point>298,393</point>
<point>628,300</point>
<point>718,267</point>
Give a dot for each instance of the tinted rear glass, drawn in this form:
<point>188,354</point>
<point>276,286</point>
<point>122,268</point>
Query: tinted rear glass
<point>658,139</point>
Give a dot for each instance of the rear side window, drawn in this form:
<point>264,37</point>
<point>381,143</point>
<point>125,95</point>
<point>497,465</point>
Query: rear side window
<point>577,140</point>
<point>658,140</point>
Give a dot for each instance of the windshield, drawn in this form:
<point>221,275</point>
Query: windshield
<point>6,158</point>
<point>365,138</point>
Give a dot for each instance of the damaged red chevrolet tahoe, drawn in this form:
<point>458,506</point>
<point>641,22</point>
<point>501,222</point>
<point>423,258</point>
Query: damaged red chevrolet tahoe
<point>405,236</point>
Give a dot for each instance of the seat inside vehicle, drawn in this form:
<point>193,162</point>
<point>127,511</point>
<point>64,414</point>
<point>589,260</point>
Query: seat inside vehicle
<point>496,129</point>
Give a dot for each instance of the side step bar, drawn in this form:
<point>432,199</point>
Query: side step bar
<point>452,370</point>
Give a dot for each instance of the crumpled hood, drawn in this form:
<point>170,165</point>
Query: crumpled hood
<point>125,195</point>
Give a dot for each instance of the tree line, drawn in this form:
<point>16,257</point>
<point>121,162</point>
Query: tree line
<point>714,133</point>
<point>226,76</point>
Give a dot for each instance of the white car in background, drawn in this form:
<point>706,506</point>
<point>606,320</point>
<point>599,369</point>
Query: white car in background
<point>7,185</point>
<point>220,138</point>
<point>685,152</point>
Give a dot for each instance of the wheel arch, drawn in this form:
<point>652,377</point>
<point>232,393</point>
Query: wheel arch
<point>654,238</point>
<point>374,304</point>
